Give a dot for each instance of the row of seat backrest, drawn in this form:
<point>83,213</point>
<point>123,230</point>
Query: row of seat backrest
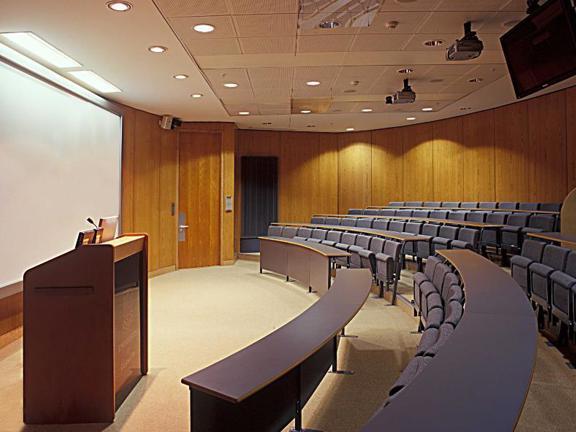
<point>333,237</point>
<point>470,236</point>
<point>542,222</point>
<point>544,259</point>
<point>475,204</point>
<point>441,307</point>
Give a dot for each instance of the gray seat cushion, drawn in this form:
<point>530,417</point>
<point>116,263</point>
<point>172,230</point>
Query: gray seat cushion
<point>444,334</point>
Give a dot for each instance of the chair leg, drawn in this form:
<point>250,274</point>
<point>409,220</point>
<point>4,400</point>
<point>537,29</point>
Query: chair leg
<point>540,317</point>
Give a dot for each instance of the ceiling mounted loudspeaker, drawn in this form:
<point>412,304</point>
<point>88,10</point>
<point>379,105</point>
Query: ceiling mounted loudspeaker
<point>169,122</point>
<point>331,14</point>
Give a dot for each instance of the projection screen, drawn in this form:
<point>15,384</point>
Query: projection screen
<point>60,161</point>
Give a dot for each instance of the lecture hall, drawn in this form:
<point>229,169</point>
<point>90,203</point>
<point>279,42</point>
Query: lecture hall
<point>287,215</point>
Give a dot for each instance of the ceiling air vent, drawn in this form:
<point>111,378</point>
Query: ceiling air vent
<point>330,14</point>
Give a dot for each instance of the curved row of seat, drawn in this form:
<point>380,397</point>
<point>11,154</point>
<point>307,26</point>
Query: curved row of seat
<point>554,207</point>
<point>515,225</point>
<point>381,256</point>
<point>439,301</point>
<point>547,273</point>
<point>439,236</point>
<point>475,360</point>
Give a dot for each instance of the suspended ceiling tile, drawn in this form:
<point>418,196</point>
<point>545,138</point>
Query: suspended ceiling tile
<point>276,95</point>
<point>325,74</point>
<point>332,43</point>
<point>515,5</point>
<point>183,26</point>
<point>213,46</point>
<point>420,5</point>
<point>470,5</point>
<point>248,7</point>
<point>235,96</point>
<point>408,22</point>
<point>266,78</point>
<point>218,77</point>
<point>274,109</point>
<point>417,41</point>
<point>453,22</point>
<point>266,25</point>
<point>349,75</point>
<point>180,8</point>
<point>380,42</point>
<point>235,109</point>
<point>448,70</point>
<point>501,22</point>
<point>327,32</point>
<point>311,93</point>
<point>268,45</point>
<point>342,107</point>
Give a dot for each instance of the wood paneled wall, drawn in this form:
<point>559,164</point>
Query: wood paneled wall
<point>149,185</point>
<point>525,151</point>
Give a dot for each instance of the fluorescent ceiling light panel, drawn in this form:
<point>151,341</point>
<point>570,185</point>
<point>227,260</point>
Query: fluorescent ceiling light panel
<point>41,49</point>
<point>95,81</point>
<point>42,71</point>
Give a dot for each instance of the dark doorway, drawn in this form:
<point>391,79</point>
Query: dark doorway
<point>259,183</point>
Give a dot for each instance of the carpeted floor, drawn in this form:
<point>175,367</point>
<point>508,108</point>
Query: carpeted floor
<point>202,315</point>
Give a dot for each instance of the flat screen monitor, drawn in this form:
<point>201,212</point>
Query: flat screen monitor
<point>541,49</point>
<point>108,225</point>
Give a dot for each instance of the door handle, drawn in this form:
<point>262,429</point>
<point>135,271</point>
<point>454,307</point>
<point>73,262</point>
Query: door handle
<point>182,227</point>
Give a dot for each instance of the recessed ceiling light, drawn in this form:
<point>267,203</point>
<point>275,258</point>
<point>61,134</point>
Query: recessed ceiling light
<point>367,110</point>
<point>180,76</point>
<point>305,111</point>
<point>354,83</point>
<point>349,91</point>
<point>427,109</point>
<point>310,126</point>
<point>196,95</point>
<point>157,49</point>
<point>433,42</point>
<point>465,108</point>
<point>349,129</point>
<point>475,80</point>
<point>119,6</point>
<point>266,123</point>
<point>95,81</point>
<point>391,25</point>
<point>312,83</point>
<point>42,49</point>
<point>244,113</point>
<point>204,28</point>
<point>410,118</point>
<point>329,24</point>
<point>406,70</point>
<point>230,85</point>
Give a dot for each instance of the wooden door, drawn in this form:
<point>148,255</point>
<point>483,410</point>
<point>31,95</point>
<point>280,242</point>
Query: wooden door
<point>199,199</point>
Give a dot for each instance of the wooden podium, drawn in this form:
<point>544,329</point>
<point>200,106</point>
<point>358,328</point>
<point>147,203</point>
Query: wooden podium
<point>85,331</point>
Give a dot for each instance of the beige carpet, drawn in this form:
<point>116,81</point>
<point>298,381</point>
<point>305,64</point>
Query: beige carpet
<point>202,315</point>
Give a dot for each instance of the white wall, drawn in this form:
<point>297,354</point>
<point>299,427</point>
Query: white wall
<point>60,162</point>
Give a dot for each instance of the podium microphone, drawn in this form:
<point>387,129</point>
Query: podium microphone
<point>91,222</point>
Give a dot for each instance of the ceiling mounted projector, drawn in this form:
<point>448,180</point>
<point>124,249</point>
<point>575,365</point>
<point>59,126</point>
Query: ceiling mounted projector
<point>404,96</point>
<point>467,48</point>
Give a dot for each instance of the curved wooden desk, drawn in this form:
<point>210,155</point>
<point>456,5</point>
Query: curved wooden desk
<point>265,385</point>
<point>392,235</point>
<point>307,262</point>
<point>479,379</point>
